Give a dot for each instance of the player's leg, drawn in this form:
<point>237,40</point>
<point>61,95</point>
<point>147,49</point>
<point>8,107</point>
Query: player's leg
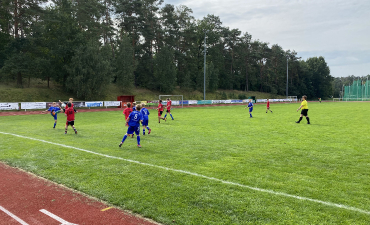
<point>171,114</point>
<point>130,130</point>
<point>55,120</point>
<point>137,131</point>
<point>250,113</point>
<point>66,128</point>
<point>307,118</point>
<point>302,114</point>
<point>73,126</point>
<point>144,129</point>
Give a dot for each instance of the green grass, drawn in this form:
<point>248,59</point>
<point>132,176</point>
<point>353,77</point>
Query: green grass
<point>327,161</point>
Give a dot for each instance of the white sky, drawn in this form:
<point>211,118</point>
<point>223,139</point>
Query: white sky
<point>338,30</point>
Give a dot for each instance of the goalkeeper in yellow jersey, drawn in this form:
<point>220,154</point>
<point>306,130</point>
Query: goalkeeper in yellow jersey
<point>304,111</point>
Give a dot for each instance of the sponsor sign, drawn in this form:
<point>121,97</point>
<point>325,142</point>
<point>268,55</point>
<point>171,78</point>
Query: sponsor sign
<point>185,102</point>
<point>237,101</point>
<point>193,102</point>
<point>227,101</point>
<point>112,103</point>
<point>9,106</point>
<point>202,102</point>
<point>33,105</point>
<point>175,102</point>
<point>93,104</point>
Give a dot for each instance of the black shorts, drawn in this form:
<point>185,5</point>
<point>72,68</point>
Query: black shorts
<point>169,111</point>
<point>70,123</point>
<point>304,112</point>
<point>160,112</point>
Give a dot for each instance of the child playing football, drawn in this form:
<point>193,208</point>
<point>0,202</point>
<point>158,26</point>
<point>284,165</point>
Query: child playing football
<point>160,111</point>
<point>250,106</point>
<point>304,111</point>
<point>133,122</point>
<point>168,106</point>
<point>268,106</point>
<point>66,103</point>
<point>127,112</point>
<point>70,114</point>
<point>54,110</point>
<point>145,112</point>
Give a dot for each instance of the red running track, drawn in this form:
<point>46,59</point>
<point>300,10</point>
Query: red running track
<point>29,200</point>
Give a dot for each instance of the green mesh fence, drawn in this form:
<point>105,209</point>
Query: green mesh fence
<point>358,91</point>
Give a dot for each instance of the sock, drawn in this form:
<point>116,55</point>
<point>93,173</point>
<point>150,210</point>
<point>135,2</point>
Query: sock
<point>308,120</point>
<point>171,115</point>
<point>144,131</point>
<point>165,116</point>
<point>300,118</point>
<point>55,124</point>
<point>138,140</point>
<point>148,128</point>
<point>124,138</point>
<point>65,131</point>
<point>250,115</point>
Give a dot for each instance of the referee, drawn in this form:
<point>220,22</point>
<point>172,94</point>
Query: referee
<point>304,111</point>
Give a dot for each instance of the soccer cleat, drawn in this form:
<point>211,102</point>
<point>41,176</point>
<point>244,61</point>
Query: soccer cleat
<point>76,132</point>
<point>143,133</point>
<point>308,123</point>
<point>139,146</point>
<point>120,145</point>
<point>165,119</point>
<point>132,136</point>
<point>150,130</point>
<point>296,121</point>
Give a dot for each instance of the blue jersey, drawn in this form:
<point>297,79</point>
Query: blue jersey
<point>52,108</point>
<point>135,117</point>
<point>133,108</point>
<point>250,105</point>
<point>145,113</point>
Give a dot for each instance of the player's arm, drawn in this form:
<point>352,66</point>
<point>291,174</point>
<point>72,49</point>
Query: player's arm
<point>299,108</point>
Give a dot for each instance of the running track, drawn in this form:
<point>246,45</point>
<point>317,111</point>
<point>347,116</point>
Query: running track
<point>29,200</point>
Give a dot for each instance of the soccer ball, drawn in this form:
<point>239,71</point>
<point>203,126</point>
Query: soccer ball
<point>53,113</point>
<point>63,105</point>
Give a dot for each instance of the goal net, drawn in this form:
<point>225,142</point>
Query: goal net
<point>177,100</point>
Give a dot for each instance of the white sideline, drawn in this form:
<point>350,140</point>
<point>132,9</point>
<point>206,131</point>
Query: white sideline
<point>13,216</point>
<point>57,218</point>
<point>203,176</point>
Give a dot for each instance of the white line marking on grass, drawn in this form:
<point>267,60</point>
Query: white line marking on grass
<point>13,216</point>
<point>203,176</point>
<point>57,218</point>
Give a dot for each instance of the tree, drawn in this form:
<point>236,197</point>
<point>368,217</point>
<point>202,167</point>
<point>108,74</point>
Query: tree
<point>125,65</point>
<point>164,71</point>
<point>89,72</point>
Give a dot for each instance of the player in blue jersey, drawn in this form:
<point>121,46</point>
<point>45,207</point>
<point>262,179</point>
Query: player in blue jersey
<point>250,106</point>
<point>134,106</point>
<point>54,110</point>
<point>133,122</point>
<point>145,112</point>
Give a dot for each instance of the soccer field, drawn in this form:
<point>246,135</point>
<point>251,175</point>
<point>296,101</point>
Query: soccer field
<point>211,165</point>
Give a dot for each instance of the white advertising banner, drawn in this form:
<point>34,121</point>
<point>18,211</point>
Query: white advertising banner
<point>193,102</point>
<point>175,102</point>
<point>93,104</point>
<point>9,106</point>
<point>112,103</point>
<point>227,101</point>
<point>218,101</point>
<point>33,105</point>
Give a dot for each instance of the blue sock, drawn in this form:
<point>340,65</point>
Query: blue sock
<point>148,128</point>
<point>165,116</point>
<point>144,131</point>
<point>55,124</point>
<point>138,140</point>
<point>171,115</point>
<point>124,138</point>
<point>250,114</point>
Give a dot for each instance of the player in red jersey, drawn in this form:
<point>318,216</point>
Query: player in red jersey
<point>268,106</point>
<point>70,114</point>
<point>66,103</point>
<point>168,106</point>
<point>160,111</point>
<point>127,112</point>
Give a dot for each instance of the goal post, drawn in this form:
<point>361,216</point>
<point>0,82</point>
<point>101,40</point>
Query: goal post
<point>177,100</point>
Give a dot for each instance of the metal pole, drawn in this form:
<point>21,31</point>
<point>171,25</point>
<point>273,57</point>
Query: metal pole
<point>205,50</point>
<point>287,77</point>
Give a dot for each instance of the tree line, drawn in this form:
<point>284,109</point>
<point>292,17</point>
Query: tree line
<point>84,45</point>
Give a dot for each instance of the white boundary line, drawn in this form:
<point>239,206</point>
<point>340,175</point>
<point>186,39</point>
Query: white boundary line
<point>13,216</point>
<point>203,176</point>
<point>57,218</point>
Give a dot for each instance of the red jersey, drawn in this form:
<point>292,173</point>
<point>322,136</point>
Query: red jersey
<point>127,112</point>
<point>169,103</point>
<point>70,112</point>
<point>67,105</point>
<point>268,104</point>
<point>160,106</point>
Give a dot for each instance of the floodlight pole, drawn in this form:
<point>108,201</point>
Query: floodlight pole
<point>287,58</point>
<point>205,51</point>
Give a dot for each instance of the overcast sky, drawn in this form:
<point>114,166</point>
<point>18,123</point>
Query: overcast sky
<point>338,30</point>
